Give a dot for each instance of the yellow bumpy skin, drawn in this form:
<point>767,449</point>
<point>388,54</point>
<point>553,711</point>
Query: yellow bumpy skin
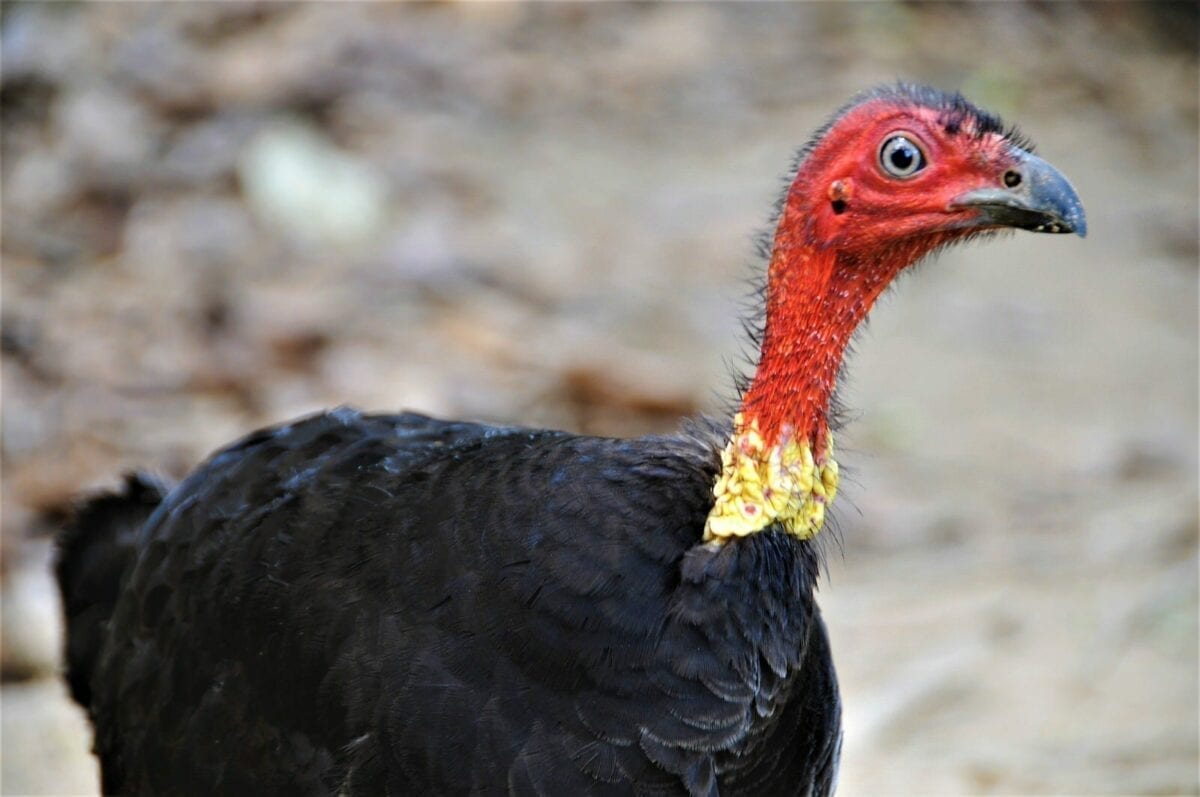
<point>781,484</point>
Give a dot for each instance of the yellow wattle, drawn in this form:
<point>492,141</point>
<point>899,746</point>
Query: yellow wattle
<point>761,485</point>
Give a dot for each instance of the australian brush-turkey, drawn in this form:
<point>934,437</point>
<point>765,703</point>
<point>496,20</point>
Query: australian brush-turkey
<point>369,604</point>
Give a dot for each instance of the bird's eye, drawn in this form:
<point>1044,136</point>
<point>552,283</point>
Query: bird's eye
<point>900,157</point>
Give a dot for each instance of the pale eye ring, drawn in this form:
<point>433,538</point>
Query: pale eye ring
<point>900,157</point>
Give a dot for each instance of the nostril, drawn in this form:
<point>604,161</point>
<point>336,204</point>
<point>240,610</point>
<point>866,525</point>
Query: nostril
<point>1012,178</point>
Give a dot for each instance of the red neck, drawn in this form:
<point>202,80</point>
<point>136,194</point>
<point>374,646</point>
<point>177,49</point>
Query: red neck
<point>816,298</point>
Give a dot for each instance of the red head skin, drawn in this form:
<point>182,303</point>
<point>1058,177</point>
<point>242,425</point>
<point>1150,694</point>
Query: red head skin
<point>827,267</point>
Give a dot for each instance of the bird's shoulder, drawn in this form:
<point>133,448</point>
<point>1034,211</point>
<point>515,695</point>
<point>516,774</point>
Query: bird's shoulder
<point>333,448</point>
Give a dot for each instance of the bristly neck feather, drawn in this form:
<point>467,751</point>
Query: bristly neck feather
<point>816,299</point>
<point>778,467</point>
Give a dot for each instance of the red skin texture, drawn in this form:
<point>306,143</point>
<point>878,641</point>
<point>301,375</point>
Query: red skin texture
<point>828,268</point>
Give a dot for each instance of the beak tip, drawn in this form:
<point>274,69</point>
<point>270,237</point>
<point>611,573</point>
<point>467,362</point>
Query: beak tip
<point>1077,219</point>
<point>1052,193</point>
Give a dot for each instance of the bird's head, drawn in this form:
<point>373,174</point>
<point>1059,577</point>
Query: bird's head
<point>910,165</point>
<point>896,174</point>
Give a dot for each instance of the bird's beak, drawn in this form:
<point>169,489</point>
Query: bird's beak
<point>1040,199</point>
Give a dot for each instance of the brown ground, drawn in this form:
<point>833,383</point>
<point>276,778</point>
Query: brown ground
<point>221,215</point>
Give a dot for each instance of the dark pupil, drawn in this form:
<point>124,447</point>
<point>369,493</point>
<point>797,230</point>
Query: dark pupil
<point>903,157</point>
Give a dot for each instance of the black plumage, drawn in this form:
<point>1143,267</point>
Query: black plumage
<point>365,604</point>
<point>369,604</point>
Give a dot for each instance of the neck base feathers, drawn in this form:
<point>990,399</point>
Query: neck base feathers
<point>787,482</point>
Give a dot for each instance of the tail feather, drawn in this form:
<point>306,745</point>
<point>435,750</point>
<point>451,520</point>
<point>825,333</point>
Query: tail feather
<point>94,550</point>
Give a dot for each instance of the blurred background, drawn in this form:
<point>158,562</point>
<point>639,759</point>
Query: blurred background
<point>219,215</point>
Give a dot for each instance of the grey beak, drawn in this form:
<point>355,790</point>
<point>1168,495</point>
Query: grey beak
<point>1035,196</point>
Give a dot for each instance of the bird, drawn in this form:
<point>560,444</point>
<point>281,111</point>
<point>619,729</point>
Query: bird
<point>355,603</point>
